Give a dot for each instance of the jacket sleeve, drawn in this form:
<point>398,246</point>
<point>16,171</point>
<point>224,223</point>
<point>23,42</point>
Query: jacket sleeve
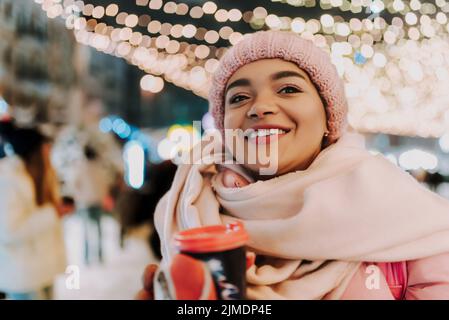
<point>18,225</point>
<point>428,278</point>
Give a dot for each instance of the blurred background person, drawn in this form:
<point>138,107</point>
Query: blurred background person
<point>92,185</point>
<point>31,240</point>
<point>136,207</point>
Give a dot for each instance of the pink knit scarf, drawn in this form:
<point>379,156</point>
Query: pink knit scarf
<point>311,229</point>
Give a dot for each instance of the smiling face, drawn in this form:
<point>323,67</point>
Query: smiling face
<point>273,100</point>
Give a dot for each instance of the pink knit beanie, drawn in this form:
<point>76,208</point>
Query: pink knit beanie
<point>289,47</point>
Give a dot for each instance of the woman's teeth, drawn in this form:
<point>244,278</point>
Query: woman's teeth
<point>263,133</point>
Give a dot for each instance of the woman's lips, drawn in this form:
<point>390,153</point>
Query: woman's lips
<point>266,139</point>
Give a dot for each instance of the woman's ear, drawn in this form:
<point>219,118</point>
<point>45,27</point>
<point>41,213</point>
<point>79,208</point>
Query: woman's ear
<point>325,140</point>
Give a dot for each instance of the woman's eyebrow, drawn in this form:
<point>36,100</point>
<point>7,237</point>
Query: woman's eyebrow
<point>237,83</point>
<point>286,74</point>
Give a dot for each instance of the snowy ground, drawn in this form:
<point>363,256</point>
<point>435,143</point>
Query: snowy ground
<point>119,277</point>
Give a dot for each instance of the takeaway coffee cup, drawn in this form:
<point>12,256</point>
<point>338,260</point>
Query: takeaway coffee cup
<point>222,248</point>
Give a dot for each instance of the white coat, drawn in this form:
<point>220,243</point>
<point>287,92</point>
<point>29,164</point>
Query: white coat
<point>32,248</point>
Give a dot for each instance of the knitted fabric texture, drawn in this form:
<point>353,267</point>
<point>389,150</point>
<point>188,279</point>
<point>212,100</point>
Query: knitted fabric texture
<point>290,47</point>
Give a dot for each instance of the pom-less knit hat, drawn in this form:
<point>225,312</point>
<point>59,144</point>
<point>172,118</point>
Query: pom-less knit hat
<point>291,47</point>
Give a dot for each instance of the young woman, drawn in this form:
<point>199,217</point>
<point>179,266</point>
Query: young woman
<point>31,242</point>
<point>332,217</point>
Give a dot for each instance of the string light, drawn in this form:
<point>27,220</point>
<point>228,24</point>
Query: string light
<point>131,21</point>
<point>209,7</point>
<point>196,12</point>
<point>151,83</point>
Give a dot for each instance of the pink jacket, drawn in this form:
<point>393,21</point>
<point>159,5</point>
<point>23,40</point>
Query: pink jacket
<point>426,279</point>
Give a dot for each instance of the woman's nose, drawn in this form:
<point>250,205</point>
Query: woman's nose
<point>260,109</point>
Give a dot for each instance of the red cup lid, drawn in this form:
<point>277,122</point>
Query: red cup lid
<point>214,238</point>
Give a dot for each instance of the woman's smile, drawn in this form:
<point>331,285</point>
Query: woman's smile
<point>265,134</point>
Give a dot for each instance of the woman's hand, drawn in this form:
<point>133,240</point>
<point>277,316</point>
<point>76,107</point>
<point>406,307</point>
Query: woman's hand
<point>250,259</point>
<point>147,293</point>
<point>232,179</point>
<point>63,209</point>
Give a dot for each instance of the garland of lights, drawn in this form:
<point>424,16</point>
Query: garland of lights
<point>365,41</point>
<point>357,6</point>
<point>163,42</point>
<point>370,31</point>
<point>260,18</point>
<point>154,26</point>
<point>371,55</point>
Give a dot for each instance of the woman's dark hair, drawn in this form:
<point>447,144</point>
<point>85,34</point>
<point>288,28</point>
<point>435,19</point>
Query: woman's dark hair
<point>24,141</point>
<point>27,143</point>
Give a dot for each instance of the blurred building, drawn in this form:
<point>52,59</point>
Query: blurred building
<point>45,76</point>
<point>36,62</point>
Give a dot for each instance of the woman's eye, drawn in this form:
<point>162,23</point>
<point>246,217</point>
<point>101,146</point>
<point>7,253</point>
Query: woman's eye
<point>289,89</point>
<point>238,98</point>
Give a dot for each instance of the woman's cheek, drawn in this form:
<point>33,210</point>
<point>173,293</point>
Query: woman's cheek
<point>232,123</point>
<point>309,136</point>
<point>233,119</point>
<point>315,113</point>
<point>229,121</point>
